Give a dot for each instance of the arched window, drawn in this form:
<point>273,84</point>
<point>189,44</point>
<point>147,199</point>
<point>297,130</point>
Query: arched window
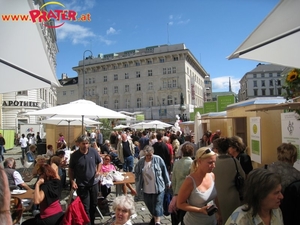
<point>170,100</point>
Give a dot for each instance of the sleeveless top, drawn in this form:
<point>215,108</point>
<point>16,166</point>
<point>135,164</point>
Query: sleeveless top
<point>199,199</point>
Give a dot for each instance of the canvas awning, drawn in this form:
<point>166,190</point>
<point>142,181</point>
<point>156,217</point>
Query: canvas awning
<point>276,39</point>
<point>24,58</point>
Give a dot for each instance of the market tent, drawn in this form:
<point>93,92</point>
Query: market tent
<point>62,121</point>
<point>83,108</point>
<point>24,58</point>
<point>276,39</point>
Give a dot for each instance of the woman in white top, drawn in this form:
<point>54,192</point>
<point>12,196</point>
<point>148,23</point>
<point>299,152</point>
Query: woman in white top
<point>198,191</point>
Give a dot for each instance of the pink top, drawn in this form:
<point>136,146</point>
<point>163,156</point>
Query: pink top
<point>107,168</point>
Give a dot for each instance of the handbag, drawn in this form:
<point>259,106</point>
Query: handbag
<point>239,179</point>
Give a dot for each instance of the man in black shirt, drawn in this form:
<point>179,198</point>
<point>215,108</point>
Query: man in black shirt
<point>161,149</point>
<point>85,165</point>
<point>125,152</point>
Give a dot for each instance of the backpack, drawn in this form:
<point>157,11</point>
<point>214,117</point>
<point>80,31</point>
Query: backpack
<point>290,205</point>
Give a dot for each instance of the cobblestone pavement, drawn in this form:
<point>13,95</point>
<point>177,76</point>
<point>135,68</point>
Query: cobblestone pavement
<point>143,216</point>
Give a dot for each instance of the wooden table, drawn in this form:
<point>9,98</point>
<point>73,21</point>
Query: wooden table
<point>129,178</point>
<point>27,195</point>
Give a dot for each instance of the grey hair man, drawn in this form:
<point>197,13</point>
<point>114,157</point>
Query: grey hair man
<point>85,165</point>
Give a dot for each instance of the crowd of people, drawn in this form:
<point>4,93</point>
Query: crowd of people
<point>201,175</point>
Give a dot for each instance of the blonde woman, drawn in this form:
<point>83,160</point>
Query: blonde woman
<point>198,190</point>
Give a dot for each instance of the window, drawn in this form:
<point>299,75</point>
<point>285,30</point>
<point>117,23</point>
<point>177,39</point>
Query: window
<point>163,101</point>
<point>104,78</point>
<point>116,90</point>
<point>64,93</point>
<point>94,80</point>
<point>278,82</point>
<point>105,90</point>
<point>127,103</point>
<point>279,91</point>
<point>170,100</point>
<point>126,88</point>
<point>161,60</point>
<point>150,101</point>
<point>138,87</point>
<point>86,81</point>
<point>254,76</point>
<point>255,83</point>
<point>126,65</point>
<point>105,104</point>
<point>116,104</point>
<point>174,83</point>
<point>174,69</point>
<point>137,63</point>
<point>255,92</point>
<point>138,74</point>
<point>278,74</point>
<point>271,83</point>
<point>263,83</point>
<point>149,73</point>
<point>270,74</point>
<point>139,103</point>
<point>26,93</point>
<point>90,80</point>
<point>165,83</point>
<point>115,67</point>
<point>263,92</point>
<point>169,70</point>
<point>175,58</point>
<point>149,61</point>
<point>115,76</point>
<point>169,83</point>
<point>150,86</point>
<point>164,70</point>
<point>126,75</point>
<point>175,101</point>
<point>271,91</point>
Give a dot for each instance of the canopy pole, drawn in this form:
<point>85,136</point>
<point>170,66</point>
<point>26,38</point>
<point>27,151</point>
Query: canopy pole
<point>82,118</point>
<point>69,134</point>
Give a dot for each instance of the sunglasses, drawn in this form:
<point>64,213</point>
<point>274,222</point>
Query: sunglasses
<point>207,151</point>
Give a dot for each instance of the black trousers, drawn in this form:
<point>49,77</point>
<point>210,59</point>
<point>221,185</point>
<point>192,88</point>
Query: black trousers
<point>177,217</point>
<point>88,196</point>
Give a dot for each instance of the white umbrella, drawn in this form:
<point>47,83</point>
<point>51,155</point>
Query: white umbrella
<point>276,39</point>
<point>29,68</point>
<point>198,131</point>
<point>141,125</point>
<point>120,127</point>
<point>83,108</point>
<point>159,124</point>
<point>63,121</point>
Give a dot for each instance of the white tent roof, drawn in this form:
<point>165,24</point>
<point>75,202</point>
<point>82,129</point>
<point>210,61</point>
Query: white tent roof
<point>24,62</point>
<point>276,39</point>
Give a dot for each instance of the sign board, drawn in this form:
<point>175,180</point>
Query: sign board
<point>290,130</point>
<point>223,101</point>
<point>192,115</point>
<point>210,107</point>
<point>140,117</point>
<point>31,129</point>
<point>255,141</point>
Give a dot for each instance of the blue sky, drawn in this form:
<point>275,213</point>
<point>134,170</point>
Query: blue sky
<point>210,29</point>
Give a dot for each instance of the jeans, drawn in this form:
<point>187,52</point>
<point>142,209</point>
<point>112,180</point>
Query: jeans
<point>24,150</point>
<point>88,196</point>
<point>1,152</point>
<point>128,164</point>
<point>154,203</point>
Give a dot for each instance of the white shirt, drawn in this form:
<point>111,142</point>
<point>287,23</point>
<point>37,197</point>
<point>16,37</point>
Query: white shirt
<point>18,178</point>
<point>23,142</point>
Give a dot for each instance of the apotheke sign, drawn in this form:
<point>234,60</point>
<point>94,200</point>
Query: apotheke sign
<point>20,103</point>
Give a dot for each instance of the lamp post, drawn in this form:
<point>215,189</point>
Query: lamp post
<point>84,70</point>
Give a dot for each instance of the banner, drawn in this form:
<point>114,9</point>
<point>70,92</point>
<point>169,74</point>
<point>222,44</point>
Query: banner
<point>223,101</point>
<point>290,130</point>
<point>255,142</point>
<point>210,107</point>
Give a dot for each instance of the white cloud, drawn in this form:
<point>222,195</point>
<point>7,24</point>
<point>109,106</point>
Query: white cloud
<point>74,32</point>
<point>106,41</point>
<point>184,21</point>
<point>111,30</point>
<point>222,84</point>
<point>171,23</point>
<point>171,17</point>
